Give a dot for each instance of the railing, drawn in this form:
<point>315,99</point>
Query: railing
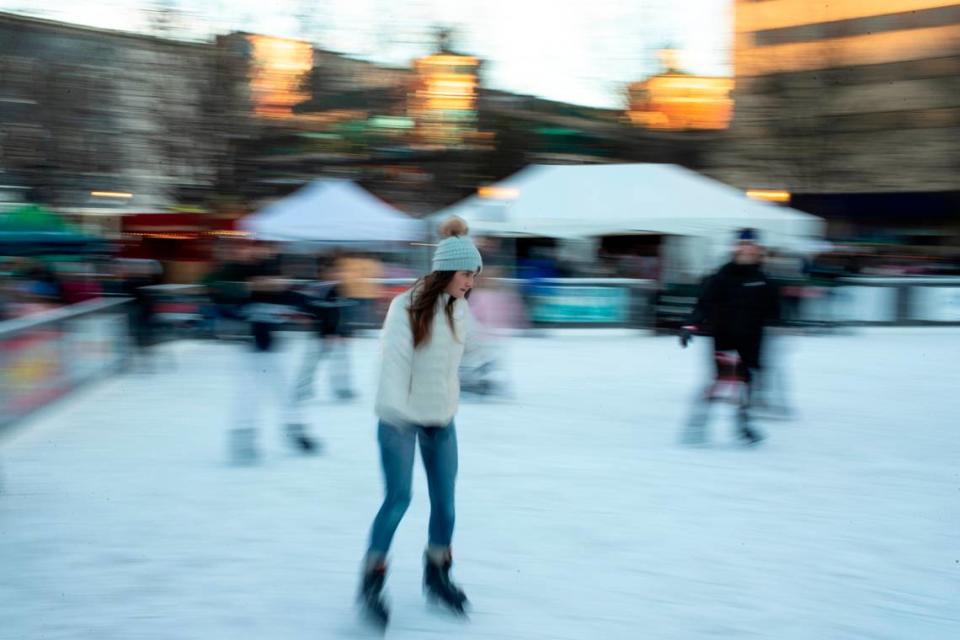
<point>901,301</point>
<point>559,302</point>
<point>851,301</point>
<point>43,357</point>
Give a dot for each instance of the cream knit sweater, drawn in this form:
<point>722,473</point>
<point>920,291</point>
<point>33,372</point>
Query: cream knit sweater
<point>422,386</point>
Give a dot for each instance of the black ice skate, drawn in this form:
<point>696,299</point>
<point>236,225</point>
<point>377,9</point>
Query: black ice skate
<point>747,434</point>
<point>297,434</point>
<point>440,589</point>
<point>372,605</point>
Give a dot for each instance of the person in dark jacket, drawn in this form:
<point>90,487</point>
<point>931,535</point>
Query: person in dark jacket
<point>737,303</point>
<point>135,279</point>
<point>325,303</point>
<point>253,288</point>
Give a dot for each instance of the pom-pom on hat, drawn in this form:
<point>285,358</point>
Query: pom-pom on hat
<point>456,252</point>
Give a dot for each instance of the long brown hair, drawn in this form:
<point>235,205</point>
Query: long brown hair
<point>423,304</point>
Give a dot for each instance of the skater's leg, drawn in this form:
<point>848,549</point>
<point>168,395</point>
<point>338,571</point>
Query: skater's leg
<point>246,406</point>
<point>749,352</point>
<point>397,445</point>
<point>311,359</point>
<point>340,373</point>
<point>694,431</point>
<point>272,379</point>
<point>438,448</point>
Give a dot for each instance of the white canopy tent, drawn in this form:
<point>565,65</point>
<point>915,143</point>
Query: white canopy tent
<point>582,201</point>
<point>332,211</point>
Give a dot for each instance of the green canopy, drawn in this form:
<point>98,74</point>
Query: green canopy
<point>33,218</point>
<point>34,230</point>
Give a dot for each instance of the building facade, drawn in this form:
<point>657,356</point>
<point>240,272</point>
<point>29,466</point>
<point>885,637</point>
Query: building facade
<point>87,111</point>
<point>847,98</point>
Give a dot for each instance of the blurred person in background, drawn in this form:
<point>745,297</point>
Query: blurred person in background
<point>79,283</point>
<point>357,274</point>
<point>426,332</point>
<point>254,288</point>
<point>41,283</point>
<point>225,285</point>
<point>133,277</point>
<point>735,306</point>
<point>497,308</point>
<point>327,308</point>
<point>6,291</point>
<point>33,288</point>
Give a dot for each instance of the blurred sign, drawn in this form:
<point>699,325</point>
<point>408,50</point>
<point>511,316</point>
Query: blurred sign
<point>43,362</point>
<point>31,372</point>
<point>580,305</point>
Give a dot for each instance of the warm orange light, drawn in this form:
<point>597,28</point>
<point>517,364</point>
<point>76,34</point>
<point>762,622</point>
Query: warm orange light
<point>447,60</point>
<point>769,195</point>
<point>444,102</point>
<point>279,66</point>
<point>228,233</point>
<point>111,194</point>
<point>678,101</point>
<point>498,193</point>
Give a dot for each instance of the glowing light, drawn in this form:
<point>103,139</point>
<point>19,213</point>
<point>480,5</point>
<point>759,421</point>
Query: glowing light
<point>498,193</point>
<point>444,101</point>
<point>769,195</point>
<point>111,194</point>
<point>679,101</point>
<point>279,66</point>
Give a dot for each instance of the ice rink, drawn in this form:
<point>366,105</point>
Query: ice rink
<point>580,516</point>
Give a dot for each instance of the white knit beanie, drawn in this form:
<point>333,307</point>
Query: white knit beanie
<point>456,252</point>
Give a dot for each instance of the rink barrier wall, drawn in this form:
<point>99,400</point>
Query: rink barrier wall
<point>623,303</point>
<point>44,357</point>
<point>546,303</point>
<point>897,301</point>
<point>852,301</point>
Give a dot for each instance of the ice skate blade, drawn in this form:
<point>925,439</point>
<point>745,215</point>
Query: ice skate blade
<point>435,605</point>
<point>371,621</point>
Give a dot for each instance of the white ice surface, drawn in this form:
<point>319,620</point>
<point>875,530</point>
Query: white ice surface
<point>579,515</point>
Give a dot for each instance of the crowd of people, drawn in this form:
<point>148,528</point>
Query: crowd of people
<point>31,285</point>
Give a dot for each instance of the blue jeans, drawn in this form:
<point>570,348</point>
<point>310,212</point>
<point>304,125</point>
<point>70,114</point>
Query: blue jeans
<point>438,448</point>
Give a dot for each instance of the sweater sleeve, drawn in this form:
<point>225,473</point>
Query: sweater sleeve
<point>396,367</point>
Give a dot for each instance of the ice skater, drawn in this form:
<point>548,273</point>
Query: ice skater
<point>325,304</point>
<point>497,310</point>
<point>736,304</point>
<point>426,331</point>
<point>253,284</point>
